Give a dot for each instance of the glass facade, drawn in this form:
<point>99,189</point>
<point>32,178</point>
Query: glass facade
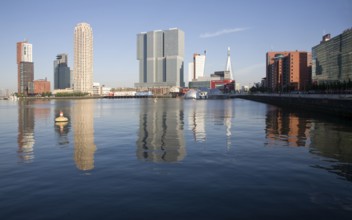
<point>26,77</point>
<point>62,73</point>
<point>332,59</point>
<point>199,84</point>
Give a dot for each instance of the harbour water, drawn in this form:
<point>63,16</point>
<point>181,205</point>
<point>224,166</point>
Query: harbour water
<point>172,159</point>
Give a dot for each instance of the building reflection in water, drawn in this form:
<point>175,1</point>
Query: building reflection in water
<point>228,121</point>
<point>282,125</point>
<point>197,120</point>
<point>160,135</point>
<point>25,138</point>
<point>324,137</point>
<point>41,109</point>
<point>221,113</point>
<point>333,141</point>
<point>82,119</point>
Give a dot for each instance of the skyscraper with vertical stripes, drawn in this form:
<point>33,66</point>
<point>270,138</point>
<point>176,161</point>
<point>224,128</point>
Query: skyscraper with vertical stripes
<point>83,59</point>
<point>160,54</point>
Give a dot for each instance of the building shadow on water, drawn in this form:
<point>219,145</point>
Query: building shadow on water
<point>160,134</point>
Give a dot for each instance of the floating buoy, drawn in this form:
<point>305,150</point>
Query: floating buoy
<point>61,118</point>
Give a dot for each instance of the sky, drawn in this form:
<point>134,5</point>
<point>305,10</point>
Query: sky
<point>249,27</point>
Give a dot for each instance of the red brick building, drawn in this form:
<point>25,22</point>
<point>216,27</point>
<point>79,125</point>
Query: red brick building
<point>41,86</point>
<point>289,70</point>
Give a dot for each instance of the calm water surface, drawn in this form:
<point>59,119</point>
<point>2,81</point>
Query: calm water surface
<point>172,159</point>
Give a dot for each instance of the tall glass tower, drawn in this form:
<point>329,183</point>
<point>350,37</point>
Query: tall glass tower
<point>61,72</point>
<point>83,59</point>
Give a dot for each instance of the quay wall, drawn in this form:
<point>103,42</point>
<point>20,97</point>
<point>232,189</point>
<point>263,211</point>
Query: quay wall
<point>340,106</point>
<point>138,96</point>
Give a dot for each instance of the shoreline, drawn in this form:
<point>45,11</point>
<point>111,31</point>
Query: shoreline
<point>329,105</point>
<point>335,105</point>
<point>68,97</point>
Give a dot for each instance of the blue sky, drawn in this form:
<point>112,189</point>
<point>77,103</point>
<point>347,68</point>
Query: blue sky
<point>250,28</point>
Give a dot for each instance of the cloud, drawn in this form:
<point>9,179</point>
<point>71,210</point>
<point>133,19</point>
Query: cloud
<point>222,32</point>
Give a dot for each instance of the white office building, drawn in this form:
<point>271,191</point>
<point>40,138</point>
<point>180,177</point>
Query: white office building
<point>196,68</point>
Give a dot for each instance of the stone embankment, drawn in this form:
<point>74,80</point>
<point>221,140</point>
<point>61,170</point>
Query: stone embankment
<point>338,105</point>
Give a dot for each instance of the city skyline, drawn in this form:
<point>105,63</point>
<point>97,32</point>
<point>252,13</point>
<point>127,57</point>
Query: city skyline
<point>249,31</point>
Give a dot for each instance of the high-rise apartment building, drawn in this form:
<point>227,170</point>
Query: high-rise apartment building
<point>25,68</point>
<point>288,70</point>
<point>160,55</point>
<point>83,59</point>
<point>62,73</point>
<point>196,68</point>
<point>332,59</point>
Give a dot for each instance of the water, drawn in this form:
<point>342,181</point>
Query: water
<point>172,159</point>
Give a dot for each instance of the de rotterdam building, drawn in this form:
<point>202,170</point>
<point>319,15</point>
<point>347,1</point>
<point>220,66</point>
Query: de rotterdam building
<point>161,58</point>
